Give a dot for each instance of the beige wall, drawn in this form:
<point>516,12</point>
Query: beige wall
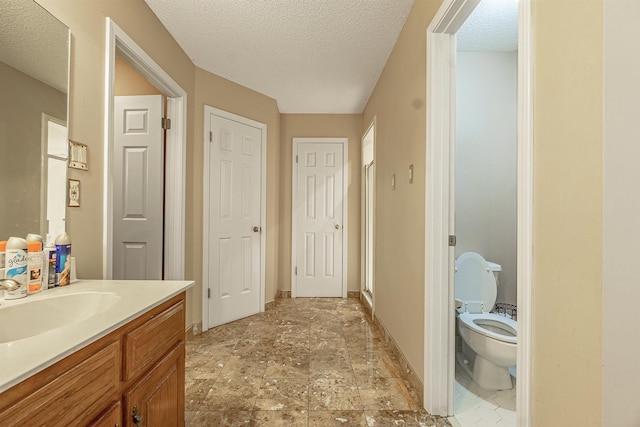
<point>486,160</point>
<point>129,82</point>
<point>621,215</point>
<point>24,100</point>
<point>320,126</point>
<point>567,212</point>
<point>86,108</point>
<point>398,103</point>
<point>223,94</point>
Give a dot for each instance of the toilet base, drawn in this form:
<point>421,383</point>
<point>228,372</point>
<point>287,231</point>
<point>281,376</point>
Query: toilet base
<point>490,376</point>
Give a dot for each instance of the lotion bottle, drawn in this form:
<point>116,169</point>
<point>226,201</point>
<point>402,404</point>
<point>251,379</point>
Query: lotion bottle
<point>34,267</point>
<point>63,261</point>
<point>16,266</point>
<point>49,266</point>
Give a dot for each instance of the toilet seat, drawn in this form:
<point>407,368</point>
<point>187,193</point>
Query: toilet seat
<point>475,283</point>
<point>492,325</point>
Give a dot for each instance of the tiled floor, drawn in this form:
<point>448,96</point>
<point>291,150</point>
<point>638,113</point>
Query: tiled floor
<point>477,407</point>
<point>306,362</point>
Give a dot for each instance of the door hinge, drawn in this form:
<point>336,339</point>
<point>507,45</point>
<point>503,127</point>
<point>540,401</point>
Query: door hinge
<point>452,240</point>
<point>210,136</point>
<point>166,124</point>
<point>209,293</point>
<point>296,271</point>
<point>296,158</point>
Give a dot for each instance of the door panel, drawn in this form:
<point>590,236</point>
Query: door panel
<point>234,162</point>
<point>319,231</point>
<point>138,187</point>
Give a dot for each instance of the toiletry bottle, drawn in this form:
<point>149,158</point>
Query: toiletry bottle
<point>34,238</point>
<point>49,267</point>
<point>34,267</point>
<point>16,266</point>
<point>63,260</point>
<point>3,248</point>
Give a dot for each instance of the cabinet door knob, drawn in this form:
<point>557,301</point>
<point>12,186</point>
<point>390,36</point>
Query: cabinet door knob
<point>137,418</point>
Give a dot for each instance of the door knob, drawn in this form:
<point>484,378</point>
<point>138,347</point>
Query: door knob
<point>256,229</point>
<point>337,227</point>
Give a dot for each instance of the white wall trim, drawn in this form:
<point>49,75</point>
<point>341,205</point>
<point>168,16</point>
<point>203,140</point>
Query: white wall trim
<point>345,207</point>
<point>439,363</point>
<point>175,160</point>
<point>208,110</point>
<point>525,214</point>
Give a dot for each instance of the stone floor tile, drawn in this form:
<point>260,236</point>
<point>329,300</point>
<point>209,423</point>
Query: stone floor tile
<point>404,419</point>
<point>296,365</point>
<point>279,418</point>
<point>334,394</point>
<point>220,419</point>
<point>195,393</point>
<point>278,394</point>
<point>233,393</point>
<point>386,394</point>
<point>337,419</point>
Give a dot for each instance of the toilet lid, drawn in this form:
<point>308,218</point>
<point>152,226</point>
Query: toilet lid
<point>475,281</point>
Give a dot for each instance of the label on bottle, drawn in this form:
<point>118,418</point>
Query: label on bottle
<point>50,267</point>
<point>63,265</point>
<point>34,266</point>
<point>16,269</point>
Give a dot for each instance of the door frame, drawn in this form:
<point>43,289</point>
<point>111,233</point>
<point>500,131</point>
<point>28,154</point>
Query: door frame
<point>44,167</point>
<point>369,298</point>
<point>175,159</point>
<point>208,110</point>
<point>439,318</point>
<point>294,208</point>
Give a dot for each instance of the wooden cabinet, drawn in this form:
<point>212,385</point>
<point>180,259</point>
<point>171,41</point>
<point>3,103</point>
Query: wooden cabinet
<point>112,417</point>
<point>157,399</point>
<point>137,370</point>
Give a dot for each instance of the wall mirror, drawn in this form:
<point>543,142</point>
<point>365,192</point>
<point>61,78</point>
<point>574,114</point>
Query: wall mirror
<point>34,79</point>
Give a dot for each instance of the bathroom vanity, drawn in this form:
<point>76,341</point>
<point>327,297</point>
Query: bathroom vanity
<point>116,360</point>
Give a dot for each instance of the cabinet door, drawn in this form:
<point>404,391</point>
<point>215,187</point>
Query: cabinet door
<point>111,418</point>
<point>73,397</point>
<point>157,399</point>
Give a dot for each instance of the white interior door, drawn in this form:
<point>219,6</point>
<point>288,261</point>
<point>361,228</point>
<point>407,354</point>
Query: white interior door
<point>234,161</point>
<point>319,210</point>
<point>55,180</point>
<point>138,183</point>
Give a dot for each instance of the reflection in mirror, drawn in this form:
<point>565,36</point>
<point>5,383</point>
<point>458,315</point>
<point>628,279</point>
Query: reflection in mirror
<point>34,76</point>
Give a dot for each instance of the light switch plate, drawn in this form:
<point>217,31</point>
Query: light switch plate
<point>393,181</point>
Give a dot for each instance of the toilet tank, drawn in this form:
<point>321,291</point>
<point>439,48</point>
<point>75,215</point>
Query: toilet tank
<point>496,269</point>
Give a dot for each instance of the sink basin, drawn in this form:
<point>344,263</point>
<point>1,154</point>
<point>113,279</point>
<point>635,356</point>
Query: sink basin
<point>36,317</point>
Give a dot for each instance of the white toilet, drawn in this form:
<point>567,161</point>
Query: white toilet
<point>489,340</point>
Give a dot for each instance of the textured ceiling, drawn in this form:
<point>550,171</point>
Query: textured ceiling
<point>312,56</point>
<point>34,42</point>
<point>491,27</point>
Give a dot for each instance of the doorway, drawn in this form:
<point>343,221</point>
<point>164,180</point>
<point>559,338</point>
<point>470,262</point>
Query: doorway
<point>175,159</point>
<point>484,178</point>
<point>439,214</point>
<point>319,217</point>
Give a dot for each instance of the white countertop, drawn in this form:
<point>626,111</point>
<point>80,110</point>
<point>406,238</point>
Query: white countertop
<point>25,357</point>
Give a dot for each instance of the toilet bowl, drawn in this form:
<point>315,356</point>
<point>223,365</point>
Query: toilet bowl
<point>489,339</point>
